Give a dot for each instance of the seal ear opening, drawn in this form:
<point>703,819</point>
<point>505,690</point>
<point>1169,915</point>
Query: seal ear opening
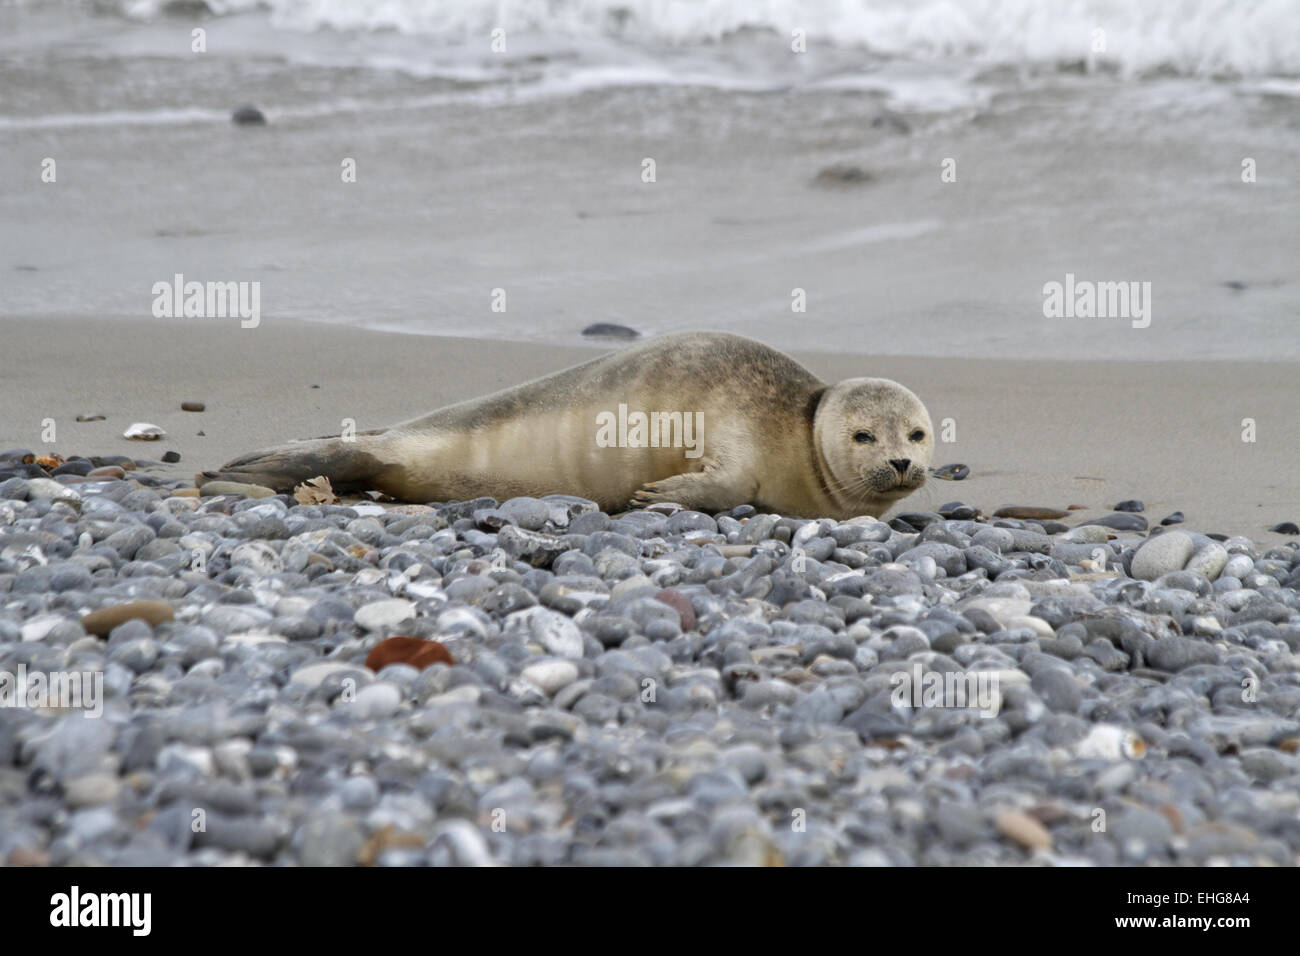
<point>347,464</point>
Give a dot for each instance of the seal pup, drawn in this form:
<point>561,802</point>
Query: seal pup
<point>708,420</point>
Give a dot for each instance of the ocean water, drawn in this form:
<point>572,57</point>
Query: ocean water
<point>1104,141</point>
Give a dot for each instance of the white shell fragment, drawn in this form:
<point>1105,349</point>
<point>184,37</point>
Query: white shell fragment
<point>143,431</point>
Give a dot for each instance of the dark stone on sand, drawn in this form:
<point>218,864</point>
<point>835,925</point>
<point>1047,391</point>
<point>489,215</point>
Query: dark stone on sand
<point>192,406</point>
<point>171,457</point>
<point>74,466</point>
<point>608,330</point>
<point>1120,521</point>
<point>248,116</point>
<point>1216,536</point>
<point>1175,518</point>
<point>843,174</point>
<point>1235,285</point>
<point>950,472</point>
<point>1286,527</point>
<point>1029,512</point>
<point>958,511</point>
<point>1132,504</point>
<point>919,519</point>
<point>90,418</point>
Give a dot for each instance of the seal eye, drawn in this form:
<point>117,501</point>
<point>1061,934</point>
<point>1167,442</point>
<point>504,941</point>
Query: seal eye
<point>917,435</point>
<point>864,438</point>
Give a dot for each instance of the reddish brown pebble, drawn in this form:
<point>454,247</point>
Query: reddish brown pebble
<point>1030,512</point>
<point>192,406</point>
<point>415,651</point>
<point>678,602</point>
<point>105,619</point>
<point>1078,508</point>
<point>108,471</point>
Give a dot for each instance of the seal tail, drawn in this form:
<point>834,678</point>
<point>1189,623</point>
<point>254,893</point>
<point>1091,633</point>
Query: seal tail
<point>351,466</point>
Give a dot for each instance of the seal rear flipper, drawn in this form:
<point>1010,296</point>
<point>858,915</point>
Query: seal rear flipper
<point>350,466</point>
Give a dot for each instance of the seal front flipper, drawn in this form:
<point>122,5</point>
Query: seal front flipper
<point>709,490</point>
<point>350,465</point>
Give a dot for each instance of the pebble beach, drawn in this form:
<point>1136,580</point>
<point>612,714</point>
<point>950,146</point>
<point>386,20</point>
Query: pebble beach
<point>1077,645</point>
<point>535,682</point>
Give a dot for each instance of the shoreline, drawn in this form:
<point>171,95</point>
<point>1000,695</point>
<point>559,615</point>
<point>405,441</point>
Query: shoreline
<point>1047,433</point>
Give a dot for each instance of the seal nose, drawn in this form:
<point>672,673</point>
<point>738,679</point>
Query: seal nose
<point>901,465</point>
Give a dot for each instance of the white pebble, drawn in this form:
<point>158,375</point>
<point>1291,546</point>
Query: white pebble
<point>380,614</point>
<point>551,676</point>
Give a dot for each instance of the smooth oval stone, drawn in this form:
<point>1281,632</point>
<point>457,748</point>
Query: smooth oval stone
<point>212,488</point>
<point>1286,527</point>
<point>171,457</point>
<point>380,614</point>
<point>248,116</point>
<point>1120,521</point>
<point>1030,512</point>
<point>192,406</point>
<point>551,676</point>
<point>1023,829</point>
<point>1175,518</point>
<point>106,471</point>
<point>680,603</point>
<point>919,519</point>
<point>950,472</point>
<point>51,490</point>
<point>609,330</point>
<point>101,622</point>
<point>1131,504</point>
<point>1162,554</point>
<point>377,701</point>
<point>76,466</point>
<point>1209,560</point>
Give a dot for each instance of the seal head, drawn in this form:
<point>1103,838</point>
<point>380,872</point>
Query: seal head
<point>873,440</point>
